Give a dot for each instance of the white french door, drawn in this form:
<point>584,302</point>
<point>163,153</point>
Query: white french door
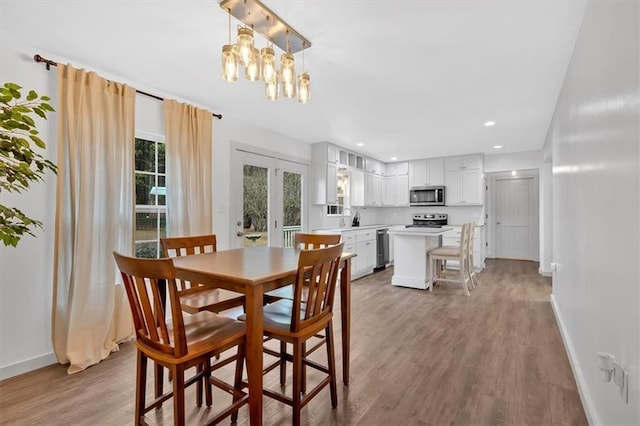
<point>268,200</point>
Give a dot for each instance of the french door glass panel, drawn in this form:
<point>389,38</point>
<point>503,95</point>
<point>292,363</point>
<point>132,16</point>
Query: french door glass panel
<point>271,208</point>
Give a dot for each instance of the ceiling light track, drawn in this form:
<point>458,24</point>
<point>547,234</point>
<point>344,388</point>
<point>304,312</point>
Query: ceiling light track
<point>256,15</point>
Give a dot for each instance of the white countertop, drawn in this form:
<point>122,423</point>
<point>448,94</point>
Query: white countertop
<point>350,229</point>
<point>397,230</point>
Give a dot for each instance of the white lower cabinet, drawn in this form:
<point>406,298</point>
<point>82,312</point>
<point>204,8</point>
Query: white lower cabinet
<point>363,244</point>
<point>452,238</point>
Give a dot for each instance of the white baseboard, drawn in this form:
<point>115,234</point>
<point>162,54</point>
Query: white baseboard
<point>545,273</point>
<point>585,396</point>
<point>27,365</point>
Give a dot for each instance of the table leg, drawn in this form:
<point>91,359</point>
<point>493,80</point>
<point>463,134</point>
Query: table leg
<point>254,351</point>
<point>345,315</point>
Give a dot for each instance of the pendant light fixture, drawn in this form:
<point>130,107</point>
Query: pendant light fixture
<point>268,58</point>
<point>252,70</point>
<point>229,58</point>
<point>261,64</point>
<point>304,84</point>
<point>288,72</point>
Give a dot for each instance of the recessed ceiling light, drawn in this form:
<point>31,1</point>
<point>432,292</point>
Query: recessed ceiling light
<point>497,147</point>
<point>394,158</point>
<point>490,123</point>
<point>360,144</point>
<point>513,172</point>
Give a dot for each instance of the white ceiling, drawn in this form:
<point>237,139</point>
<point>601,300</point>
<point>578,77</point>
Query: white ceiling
<point>459,64</point>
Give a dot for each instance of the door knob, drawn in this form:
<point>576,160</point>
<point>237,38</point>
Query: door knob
<point>239,234</point>
<point>497,223</point>
<point>239,223</point>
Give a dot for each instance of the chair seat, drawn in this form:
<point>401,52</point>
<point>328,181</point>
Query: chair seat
<point>198,299</point>
<point>445,251</point>
<point>277,316</point>
<point>206,332</point>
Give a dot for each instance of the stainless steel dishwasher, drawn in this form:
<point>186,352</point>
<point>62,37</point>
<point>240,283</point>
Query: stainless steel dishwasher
<point>382,247</point>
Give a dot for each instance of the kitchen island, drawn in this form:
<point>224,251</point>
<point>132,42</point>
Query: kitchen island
<point>411,246</point>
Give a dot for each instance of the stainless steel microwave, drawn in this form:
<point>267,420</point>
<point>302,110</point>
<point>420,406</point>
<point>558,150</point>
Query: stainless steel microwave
<point>426,196</point>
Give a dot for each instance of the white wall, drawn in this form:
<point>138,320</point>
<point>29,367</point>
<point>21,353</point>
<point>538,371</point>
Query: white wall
<point>595,141</point>
<point>525,160</point>
<point>26,273</point>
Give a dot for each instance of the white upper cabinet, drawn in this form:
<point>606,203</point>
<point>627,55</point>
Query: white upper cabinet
<point>373,190</point>
<point>395,190</point>
<point>428,172</point>
<point>333,154</point>
<point>466,162</point>
<point>356,183</point>
<point>396,169</point>
<point>464,180</point>
<point>374,166</point>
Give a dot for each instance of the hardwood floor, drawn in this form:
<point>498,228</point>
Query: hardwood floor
<point>418,358</point>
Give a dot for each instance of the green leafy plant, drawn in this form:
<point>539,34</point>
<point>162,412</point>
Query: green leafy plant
<point>20,164</point>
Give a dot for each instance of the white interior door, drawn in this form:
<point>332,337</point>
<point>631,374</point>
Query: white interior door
<point>270,203</point>
<point>513,226</point>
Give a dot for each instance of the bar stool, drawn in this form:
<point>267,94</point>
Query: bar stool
<point>443,254</point>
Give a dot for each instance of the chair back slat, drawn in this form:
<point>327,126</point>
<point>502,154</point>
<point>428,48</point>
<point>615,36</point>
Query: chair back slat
<point>142,279</point>
<point>318,271</point>
<point>315,241</point>
<point>184,246</point>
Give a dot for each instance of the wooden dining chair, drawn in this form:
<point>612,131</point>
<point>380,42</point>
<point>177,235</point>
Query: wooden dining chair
<point>179,344</point>
<point>296,321</point>
<point>193,296</point>
<point>302,241</point>
<point>438,258</point>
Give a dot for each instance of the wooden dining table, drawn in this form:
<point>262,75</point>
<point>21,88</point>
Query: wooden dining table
<point>253,271</point>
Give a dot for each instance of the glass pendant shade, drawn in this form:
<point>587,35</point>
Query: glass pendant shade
<point>288,90</point>
<point>304,88</point>
<point>229,63</point>
<point>268,65</point>
<point>245,45</point>
<point>287,68</point>
<point>272,91</point>
<point>252,70</point>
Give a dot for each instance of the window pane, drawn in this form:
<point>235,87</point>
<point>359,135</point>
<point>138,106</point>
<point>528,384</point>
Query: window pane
<point>161,157</point>
<point>146,189</point>
<point>162,191</point>
<point>256,190</point>
<point>147,250</point>
<point>146,226</point>
<point>145,155</point>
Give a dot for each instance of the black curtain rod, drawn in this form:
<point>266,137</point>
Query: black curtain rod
<point>49,63</point>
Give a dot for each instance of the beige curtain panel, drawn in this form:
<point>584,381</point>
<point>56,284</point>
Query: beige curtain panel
<point>94,216</point>
<point>188,138</point>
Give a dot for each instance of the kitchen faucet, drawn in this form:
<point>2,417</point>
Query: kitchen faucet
<point>342,224</point>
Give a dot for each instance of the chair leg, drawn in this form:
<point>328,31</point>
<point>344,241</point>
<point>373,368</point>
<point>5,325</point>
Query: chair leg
<point>237,383</point>
<point>331,363</point>
<point>303,388</point>
<point>207,383</point>
<point>297,381</point>
<point>178,395</point>
<point>283,363</point>
<point>141,387</point>
<point>159,381</point>
<point>199,384</point>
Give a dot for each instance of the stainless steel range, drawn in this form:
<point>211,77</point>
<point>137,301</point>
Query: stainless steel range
<point>429,220</point>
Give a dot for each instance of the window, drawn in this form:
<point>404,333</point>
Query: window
<point>342,195</point>
<point>151,210</point>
